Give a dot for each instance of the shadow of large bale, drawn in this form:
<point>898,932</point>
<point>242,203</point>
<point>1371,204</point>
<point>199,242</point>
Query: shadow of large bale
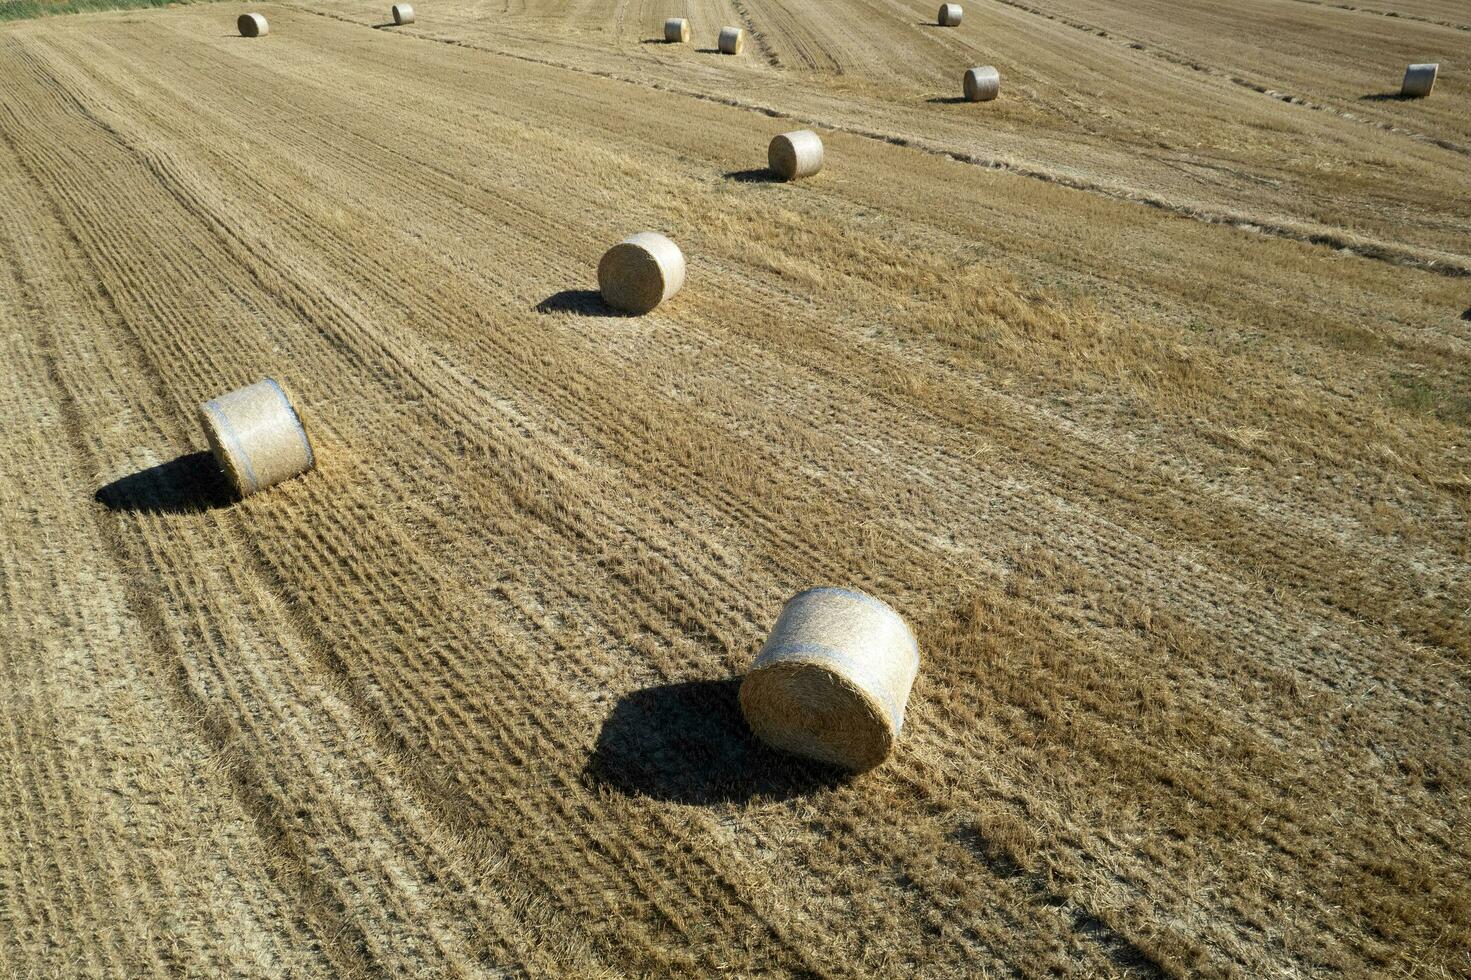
<point>187,485</point>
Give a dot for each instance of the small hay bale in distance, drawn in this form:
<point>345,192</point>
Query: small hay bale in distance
<point>256,436</point>
<point>949,15</point>
<point>1419,80</point>
<point>732,40</point>
<point>640,272</point>
<point>981,84</point>
<point>832,680</point>
<point>253,25</point>
<point>403,13</point>
<point>677,30</point>
<point>792,156</point>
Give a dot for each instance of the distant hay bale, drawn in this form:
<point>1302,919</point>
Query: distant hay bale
<point>732,40</point>
<point>641,272</point>
<point>253,25</point>
<point>795,155</point>
<point>1419,80</point>
<point>949,15</point>
<point>257,437</point>
<point>676,30</point>
<point>832,680</point>
<point>403,13</point>
<point>982,84</point>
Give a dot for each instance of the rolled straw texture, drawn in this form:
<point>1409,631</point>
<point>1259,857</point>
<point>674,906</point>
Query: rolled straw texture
<point>832,680</point>
<point>403,13</point>
<point>676,30</point>
<point>982,84</point>
<point>253,25</point>
<point>641,272</point>
<point>949,15</point>
<point>732,40</point>
<point>1419,80</point>
<point>257,437</point>
<point>795,155</point>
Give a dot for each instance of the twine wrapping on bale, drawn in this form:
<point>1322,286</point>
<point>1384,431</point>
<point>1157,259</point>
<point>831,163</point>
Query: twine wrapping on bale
<point>403,13</point>
<point>1419,80</point>
<point>256,436</point>
<point>982,84</point>
<point>641,272</point>
<point>794,155</point>
<point>253,25</point>
<point>949,15</point>
<point>732,40</point>
<point>676,30</point>
<point>833,678</point>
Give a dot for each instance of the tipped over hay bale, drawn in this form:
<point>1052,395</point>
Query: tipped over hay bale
<point>1419,80</point>
<point>833,678</point>
<point>253,25</point>
<point>795,155</point>
<point>732,40</point>
<point>256,436</point>
<point>949,15</point>
<point>641,272</point>
<point>676,30</point>
<point>403,13</point>
<point>982,84</point>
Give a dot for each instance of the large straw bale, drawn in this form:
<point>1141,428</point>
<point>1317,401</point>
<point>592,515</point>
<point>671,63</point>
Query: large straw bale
<point>795,155</point>
<point>1419,80</point>
<point>253,25</point>
<point>641,272</point>
<point>676,30</point>
<point>981,84</point>
<point>949,15</point>
<point>832,680</point>
<point>256,436</point>
<point>732,40</point>
<point>403,13</point>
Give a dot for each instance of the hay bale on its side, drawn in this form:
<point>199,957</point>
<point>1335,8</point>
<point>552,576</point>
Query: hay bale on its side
<point>641,272</point>
<point>253,25</point>
<point>982,84</point>
<point>676,30</point>
<point>256,436</point>
<point>949,15</point>
<point>795,155</point>
<point>732,40</point>
<point>832,680</point>
<point>1419,80</point>
<point>403,13</point>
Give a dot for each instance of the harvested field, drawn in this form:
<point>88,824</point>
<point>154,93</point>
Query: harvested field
<point>1175,497</point>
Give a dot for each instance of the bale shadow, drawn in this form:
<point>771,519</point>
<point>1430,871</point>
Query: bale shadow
<point>587,302</point>
<point>760,175</point>
<point>1466,315</point>
<point>948,100</point>
<point>191,484</point>
<point>658,40</point>
<point>379,27</point>
<point>1388,97</point>
<point>687,743</point>
<point>707,50</point>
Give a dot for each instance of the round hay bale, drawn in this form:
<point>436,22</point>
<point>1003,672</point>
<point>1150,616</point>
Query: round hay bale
<point>676,30</point>
<point>833,678</point>
<point>949,15</point>
<point>253,25</point>
<point>403,13</point>
<point>256,436</point>
<point>732,40</point>
<point>641,272</point>
<point>982,84</point>
<point>1419,80</point>
<point>795,155</point>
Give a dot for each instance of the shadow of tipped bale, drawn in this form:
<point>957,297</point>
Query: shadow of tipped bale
<point>586,302</point>
<point>687,743</point>
<point>760,175</point>
<point>188,485</point>
<point>1387,97</point>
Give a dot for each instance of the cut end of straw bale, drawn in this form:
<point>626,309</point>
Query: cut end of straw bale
<point>833,679</point>
<point>949,15</point>
<point>641,272</point>
<point>1419,80</point>
<point>256,436</point>
<point>676,30</point>
<point>403,13</point>
<point>795,155</point>
<point>732,40</point>
<point>982,84</point>
<point>253,25</point>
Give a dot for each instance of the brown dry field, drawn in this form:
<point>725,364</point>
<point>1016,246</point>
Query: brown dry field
<point>1142,392</point>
